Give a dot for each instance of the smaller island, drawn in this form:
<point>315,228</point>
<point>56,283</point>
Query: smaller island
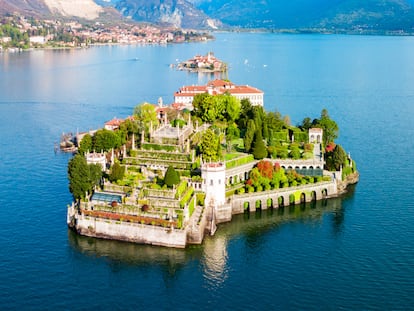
<point>207,63</point>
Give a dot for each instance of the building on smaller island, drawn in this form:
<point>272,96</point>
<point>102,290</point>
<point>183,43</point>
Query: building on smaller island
<point>207,63</point>
<point>184,97</point>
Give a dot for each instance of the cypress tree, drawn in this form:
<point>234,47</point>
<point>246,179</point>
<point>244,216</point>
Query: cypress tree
<point>249,136</point>
<point>259,148</point>
<point>171,177</point>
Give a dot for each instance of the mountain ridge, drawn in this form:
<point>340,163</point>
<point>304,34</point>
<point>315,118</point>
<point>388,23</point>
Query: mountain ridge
<point>348,16</point>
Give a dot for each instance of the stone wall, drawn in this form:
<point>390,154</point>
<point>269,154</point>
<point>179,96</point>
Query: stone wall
<point>131,232</point>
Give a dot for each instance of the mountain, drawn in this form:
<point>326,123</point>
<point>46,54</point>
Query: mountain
<point>179,13</point>
<point>361,16</point>
<point>85,9</point>
<point>377,15</point>
<point>25,7</point>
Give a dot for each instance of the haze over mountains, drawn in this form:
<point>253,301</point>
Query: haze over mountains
<point>316,15</point>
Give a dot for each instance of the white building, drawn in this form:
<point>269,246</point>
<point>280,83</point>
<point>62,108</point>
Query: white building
<point>315,135</point>
<point>96,158</point>
<point>214,183</point>
<point>38,39</point>
<point>184,97</point>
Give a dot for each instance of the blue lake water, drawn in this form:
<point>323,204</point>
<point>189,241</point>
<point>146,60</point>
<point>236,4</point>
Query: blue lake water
<point>356,252</point>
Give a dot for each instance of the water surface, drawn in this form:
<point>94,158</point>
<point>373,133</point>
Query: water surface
<point>356,252</point>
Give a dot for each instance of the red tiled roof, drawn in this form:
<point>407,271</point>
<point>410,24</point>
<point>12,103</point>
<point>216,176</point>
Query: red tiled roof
<point>114,122</point>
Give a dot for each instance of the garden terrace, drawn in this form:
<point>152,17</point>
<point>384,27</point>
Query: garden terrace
<point>157,163</point>
<point>117,189</point>
<point>159,193</point>
<point>240,160</point>
<point>167,133</point>
<point>161,155</point>
<point>158,147</point>
<point>131,218</point>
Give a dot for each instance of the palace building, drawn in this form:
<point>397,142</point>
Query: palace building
<point>184,97</point>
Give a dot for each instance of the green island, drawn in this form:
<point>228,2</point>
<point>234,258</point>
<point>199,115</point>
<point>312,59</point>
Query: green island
<point>167,177</point>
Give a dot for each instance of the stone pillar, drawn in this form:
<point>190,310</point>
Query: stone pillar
<point>275,202</point>
<point>264,204</point>
<point>286,200</point>
<point>133,141</point>
<point>252,206</point>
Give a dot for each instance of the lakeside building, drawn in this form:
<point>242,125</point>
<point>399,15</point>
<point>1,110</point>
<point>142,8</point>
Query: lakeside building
<point>183,98</point>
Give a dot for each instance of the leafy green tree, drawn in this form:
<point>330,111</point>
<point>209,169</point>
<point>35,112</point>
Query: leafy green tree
<point>232,132</point>
<point>259,148</point>
<point>210,108</point>
<point>171,177</point>
<point>259,117</point>
<point>274,121</point>
<point>329,126</point>
<point>95,174</point>
<point>198,102</point>
<point>249,136</point>
<point>117,172</point>
<point>210,145</point>
<point>130,127</point>
<point>78,172</point>
<point>246,114</point>
<point>85,144</point>
<point>286,120</point>
<point>105,140</point>
<point>82,177</point>
<point>233,107</point>
<point>336,158</point>
<point>146,113</point>
<point>306,124</point>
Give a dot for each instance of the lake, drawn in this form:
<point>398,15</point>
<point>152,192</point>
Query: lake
<point>355,252</point>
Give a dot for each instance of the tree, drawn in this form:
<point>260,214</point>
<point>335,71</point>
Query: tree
<point>82,177</point>
<point>198,101</point>
<point>306,124</point>
<point>249,136</point>
<point>146,113</point>
<point>259,148</point>
<point>336,158</point>
<point>210,145</point>
<point>130,127</point>
<point>286,120</point>
<point>266,169</point>
<point>105,140</point>
<point>329,126</point>
<point>117,172</point>
<point>233,107</point>
<point>95,174</point>
<point>171,177</point>
<point>246,113</point>
<point>85,144</point>
<point>232,133</point>
<point>78,174</point>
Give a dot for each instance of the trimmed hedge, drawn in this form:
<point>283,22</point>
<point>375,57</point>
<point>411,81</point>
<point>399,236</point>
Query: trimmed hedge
<point>239,161</point>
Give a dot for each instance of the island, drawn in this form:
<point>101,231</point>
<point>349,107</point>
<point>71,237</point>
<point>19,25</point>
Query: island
<point>207,63</point>
<point>168,175</point>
